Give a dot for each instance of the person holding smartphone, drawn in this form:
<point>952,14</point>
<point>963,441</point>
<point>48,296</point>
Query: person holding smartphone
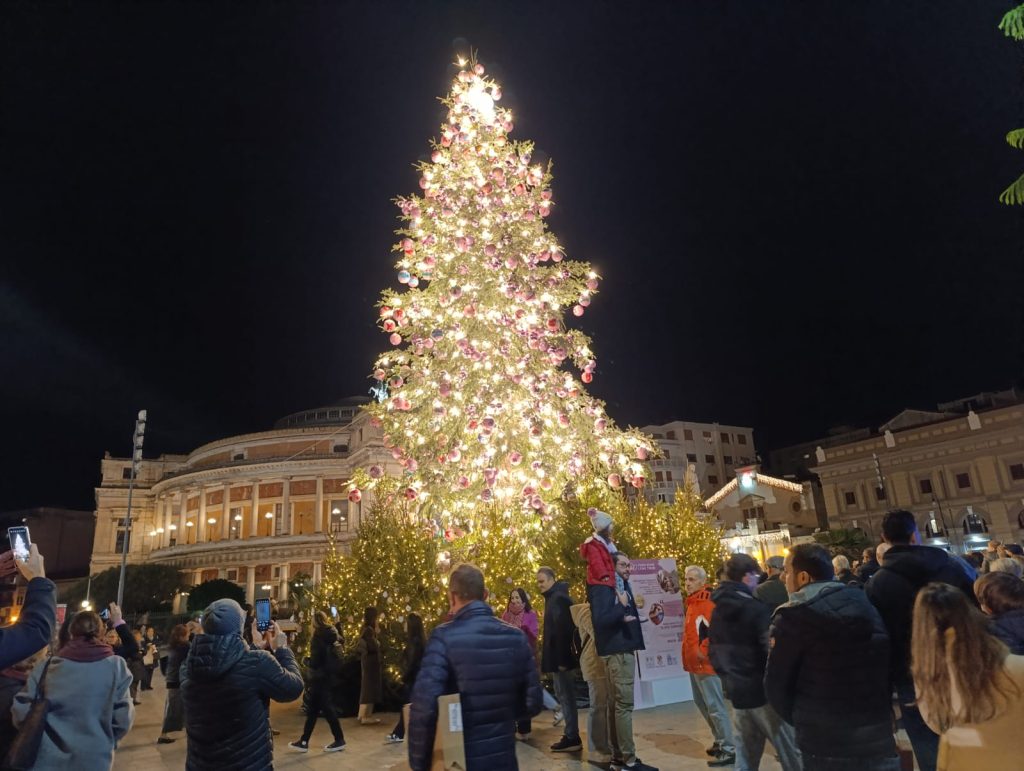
<point>39,613</point>
<point>226,687</point>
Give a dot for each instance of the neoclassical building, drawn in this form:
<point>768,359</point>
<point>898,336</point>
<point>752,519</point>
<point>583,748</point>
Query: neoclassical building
<point>254,509</point>
<point>960,470</point>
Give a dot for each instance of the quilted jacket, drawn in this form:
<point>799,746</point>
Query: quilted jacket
<point>227,689</point>
<point>490,665</point>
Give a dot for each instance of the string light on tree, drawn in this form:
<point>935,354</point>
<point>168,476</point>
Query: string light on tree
<point>487,410</point>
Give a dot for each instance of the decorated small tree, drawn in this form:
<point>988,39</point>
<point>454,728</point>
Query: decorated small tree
<point>483,396</point>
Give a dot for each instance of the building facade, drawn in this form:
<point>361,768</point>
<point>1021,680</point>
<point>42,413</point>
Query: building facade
<point>960,473</point>
<point>752,500</point>
<point>255,509</point>
<point>713,449</point>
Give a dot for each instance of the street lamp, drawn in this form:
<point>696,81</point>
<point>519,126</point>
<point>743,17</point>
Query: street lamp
<point>140,432</point>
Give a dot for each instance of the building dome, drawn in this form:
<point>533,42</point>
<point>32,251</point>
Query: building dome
<point>337,413</point>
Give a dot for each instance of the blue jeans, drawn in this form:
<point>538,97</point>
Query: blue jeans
<point>565,691</point>
<point>923,739</point>
<point>755,725</point>
<point>707,695</point>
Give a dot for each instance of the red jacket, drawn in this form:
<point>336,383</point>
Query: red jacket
<point>699,608</point>
<point>600,565</point>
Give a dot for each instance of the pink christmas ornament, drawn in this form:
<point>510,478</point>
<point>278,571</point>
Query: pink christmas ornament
<point>463,482</point>
<point>395,339</point>
<point>587,377</point>
<point>375,472</point>
<point>614,480</point>
<point>641,453</point>
<point>410,493</point>
<point>355,496</point>
<point>577,310</point>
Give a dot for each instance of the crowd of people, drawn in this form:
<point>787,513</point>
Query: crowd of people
<point>817,658</point>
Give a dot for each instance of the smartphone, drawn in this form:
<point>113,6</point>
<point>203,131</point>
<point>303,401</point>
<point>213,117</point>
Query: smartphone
<point>105,614</point>
<point>334,611</point>
<point>263,614</point>
<point>20,542</point>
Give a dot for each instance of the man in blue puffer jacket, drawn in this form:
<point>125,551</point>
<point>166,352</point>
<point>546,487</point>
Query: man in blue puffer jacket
<point>490,665</point>
<point>227,686</point>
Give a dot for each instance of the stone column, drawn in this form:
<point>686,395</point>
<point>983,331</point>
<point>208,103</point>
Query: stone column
<point>225,528</point>
<point>318,522</point>
<point>317,572</point>
<point>254,515</point>
<point>282,592</point>
<point>182,532</point>
<point>201,519</point>
<point>286,508</point>
<point>168,519</point>
<point>250,584</point>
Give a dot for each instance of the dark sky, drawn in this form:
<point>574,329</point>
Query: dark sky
<point>793,205</point>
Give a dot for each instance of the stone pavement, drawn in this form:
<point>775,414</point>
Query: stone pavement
<point>672,738</point>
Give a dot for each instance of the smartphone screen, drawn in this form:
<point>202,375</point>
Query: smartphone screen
<point>20,542</point>
<point>334,611</point>
<point>263,614</point>
<point>105,614</point>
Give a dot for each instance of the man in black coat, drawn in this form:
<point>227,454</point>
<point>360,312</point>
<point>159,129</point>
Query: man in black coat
<point>557,657</point>
<point>906,568</point>
<point>868,565</point>
<point>738,649</point>
<point>227,687</point>
<point>489,664</point>
<point>773,592</point>
<point>827,671</point>
<point>617,637</point>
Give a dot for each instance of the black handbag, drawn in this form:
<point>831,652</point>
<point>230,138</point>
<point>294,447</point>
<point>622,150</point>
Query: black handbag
<point>25,747</point>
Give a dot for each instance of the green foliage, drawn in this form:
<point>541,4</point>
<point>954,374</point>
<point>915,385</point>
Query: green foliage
<point>1014,194</point>
<point>146,588</point>
<point>393,566</point>
<point>1016,139</point>
<point>1012,24</point>
<point>217,589</point>
<point>850,542</point>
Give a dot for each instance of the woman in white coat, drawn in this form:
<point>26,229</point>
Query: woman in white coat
<point>90,706</point>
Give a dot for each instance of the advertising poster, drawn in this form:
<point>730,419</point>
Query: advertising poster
<point>656,588</point>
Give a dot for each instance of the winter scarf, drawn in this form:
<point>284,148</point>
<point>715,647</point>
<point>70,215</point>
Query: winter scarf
<point>85,650</point>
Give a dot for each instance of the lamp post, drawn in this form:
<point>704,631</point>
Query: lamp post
<point>140,431</point>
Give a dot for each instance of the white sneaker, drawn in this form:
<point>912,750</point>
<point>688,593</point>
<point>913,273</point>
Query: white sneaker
<point>392,739</point>
<point>559,717</point>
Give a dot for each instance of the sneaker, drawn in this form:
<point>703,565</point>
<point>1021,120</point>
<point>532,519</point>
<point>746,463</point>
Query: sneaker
<point>165,740</point>
<point>299,746</point>
<point>392,739</point>
<point>522,737</point>
<point>337,746</point>
<point>713,749</point>
<point>369,721</point>
<point>638,765</point>
<point>559,717</point>
<point>274,732</point>
<point>565,744</point>
<point>723,758</point>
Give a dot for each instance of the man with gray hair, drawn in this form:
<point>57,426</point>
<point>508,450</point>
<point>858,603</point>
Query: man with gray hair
<point>773,592</point>
<point>707,688</point>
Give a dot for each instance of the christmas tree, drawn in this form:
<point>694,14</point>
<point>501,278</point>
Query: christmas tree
<point>482,397</point>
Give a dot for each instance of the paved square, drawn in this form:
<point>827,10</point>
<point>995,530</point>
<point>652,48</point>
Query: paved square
<point>672,738</point>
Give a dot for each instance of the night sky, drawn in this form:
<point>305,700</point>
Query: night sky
<point>793,206</point>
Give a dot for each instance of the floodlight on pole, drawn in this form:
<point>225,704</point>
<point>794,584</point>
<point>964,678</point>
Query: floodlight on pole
<point>137,441</point>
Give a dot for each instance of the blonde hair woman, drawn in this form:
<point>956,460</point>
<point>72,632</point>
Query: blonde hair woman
<point>970,690</point>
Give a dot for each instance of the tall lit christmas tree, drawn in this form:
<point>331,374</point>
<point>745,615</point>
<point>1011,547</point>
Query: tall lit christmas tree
<point>485,403</point>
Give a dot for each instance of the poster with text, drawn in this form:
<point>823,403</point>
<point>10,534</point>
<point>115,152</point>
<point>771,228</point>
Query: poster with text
<point>655,586</point>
